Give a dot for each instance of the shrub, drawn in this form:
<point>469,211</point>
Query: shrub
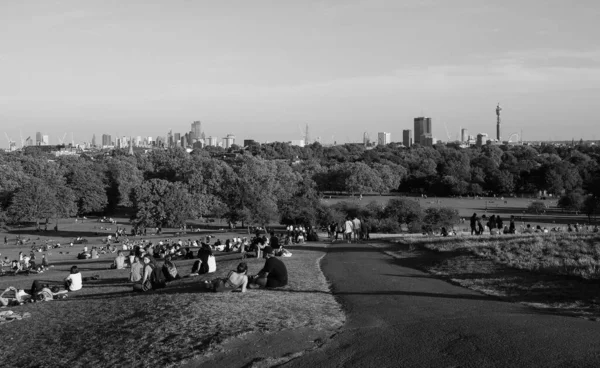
<point>385,225</point>
<point>436,217</point>
<point>536,207</point>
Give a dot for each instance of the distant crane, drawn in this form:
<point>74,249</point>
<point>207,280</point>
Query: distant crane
<point>62,140</point>
<point>11,143</point>
<point>447,132</point>
<point>512,135</point>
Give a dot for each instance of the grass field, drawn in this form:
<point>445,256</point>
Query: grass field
<point>482,206</point>
<point>555,272</point>
<point>106,324</point>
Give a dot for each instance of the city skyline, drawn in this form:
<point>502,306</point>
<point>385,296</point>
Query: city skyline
<point>262,70</point>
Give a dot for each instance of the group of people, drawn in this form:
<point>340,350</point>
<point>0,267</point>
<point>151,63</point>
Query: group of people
<point>352,229</point>
<point>495,225</point>
<point>25,263</point>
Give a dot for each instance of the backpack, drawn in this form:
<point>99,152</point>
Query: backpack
<point>157,278</point>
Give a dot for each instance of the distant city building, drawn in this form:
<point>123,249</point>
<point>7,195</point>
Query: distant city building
<point>38,138</point>
<point>45,140</point>
<point>28,142</point>
<point>384,138</point>
<point>464,135</point>
<point>482,139</point>
<point>94,140</point>
<point>422,127</point>
<point>106,140</point>
<point>407,139</point>
<point>427,140</point>
<point>196,130</point>
<point>250,142</point>
<point>297,142</point>
<point>138,141</point>
<point>211,141</point>
<point>176,139</point>
<point>228,141</point>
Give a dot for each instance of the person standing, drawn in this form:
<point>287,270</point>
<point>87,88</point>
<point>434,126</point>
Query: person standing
<point>356,228</point>
<point>348,230</point>
<point>474,224</point>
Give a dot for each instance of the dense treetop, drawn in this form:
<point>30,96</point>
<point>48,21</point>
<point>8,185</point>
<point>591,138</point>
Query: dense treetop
<point>280,182</point>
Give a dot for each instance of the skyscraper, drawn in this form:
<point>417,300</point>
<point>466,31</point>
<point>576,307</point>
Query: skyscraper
<point>464,135</point>
<point>106,140</point>
<point>407,139</point>
<point>422,127</point>
<point>38,139</point>
<point>94,140</point>
<point>384,138</point>
<point>196,130</point>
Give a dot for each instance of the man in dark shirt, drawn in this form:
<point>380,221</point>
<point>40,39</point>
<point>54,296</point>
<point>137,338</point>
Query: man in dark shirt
<point>273,274</point>
<point>274,241</point>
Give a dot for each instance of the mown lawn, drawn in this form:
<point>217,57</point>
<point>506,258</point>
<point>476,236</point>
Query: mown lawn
<point>106,324</point>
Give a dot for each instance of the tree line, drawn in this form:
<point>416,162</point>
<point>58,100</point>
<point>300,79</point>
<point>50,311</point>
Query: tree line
<point>282,183</point>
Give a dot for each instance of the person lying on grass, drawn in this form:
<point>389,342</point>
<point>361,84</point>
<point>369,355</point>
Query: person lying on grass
<point>273,274</point>
<point>43,292</point>
<point>233,281</point>
<point>74,282</point>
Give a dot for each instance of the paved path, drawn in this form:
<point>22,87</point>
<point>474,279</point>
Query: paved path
<point>400,317</point>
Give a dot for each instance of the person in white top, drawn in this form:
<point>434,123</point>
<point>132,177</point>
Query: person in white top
<point>348,229</point>
<point>73,282</point>
<point>356,228</point>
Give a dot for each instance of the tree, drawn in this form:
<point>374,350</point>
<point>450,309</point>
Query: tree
<point>536,207</point>
<point>362,179</point>
<point>123,177</point>
<point>37,200</point>
<point>302,207</point>
<point>438,217</point>
<point>159,203</point>
<point>571,201</point>
<point>404,210</point>
<point>88,188</point>
<point>250,196</point>
<point>591,206</point>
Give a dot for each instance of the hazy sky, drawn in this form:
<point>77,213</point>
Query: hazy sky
<point>263,69</point>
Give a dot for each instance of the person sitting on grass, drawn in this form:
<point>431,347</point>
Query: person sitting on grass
<point>135,274</point>
<point>152,278</point>
<point>170,270</point>
<point>233,281</point>
<point>119,262</point>
<point>74,282</point>
<point>273,274</point>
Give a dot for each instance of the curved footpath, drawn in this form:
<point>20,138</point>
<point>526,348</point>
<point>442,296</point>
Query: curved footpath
<point>401,317</point>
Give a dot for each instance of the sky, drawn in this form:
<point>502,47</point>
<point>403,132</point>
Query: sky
<point>263,70</point>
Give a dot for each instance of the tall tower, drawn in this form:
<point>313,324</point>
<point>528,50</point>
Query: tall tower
<point>422,128</point>
<point>196,130</point>
<point>498,109</point>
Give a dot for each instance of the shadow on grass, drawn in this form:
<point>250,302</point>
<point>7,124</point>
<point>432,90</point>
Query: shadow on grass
<point>557,294</point>
<point>392,293</point>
